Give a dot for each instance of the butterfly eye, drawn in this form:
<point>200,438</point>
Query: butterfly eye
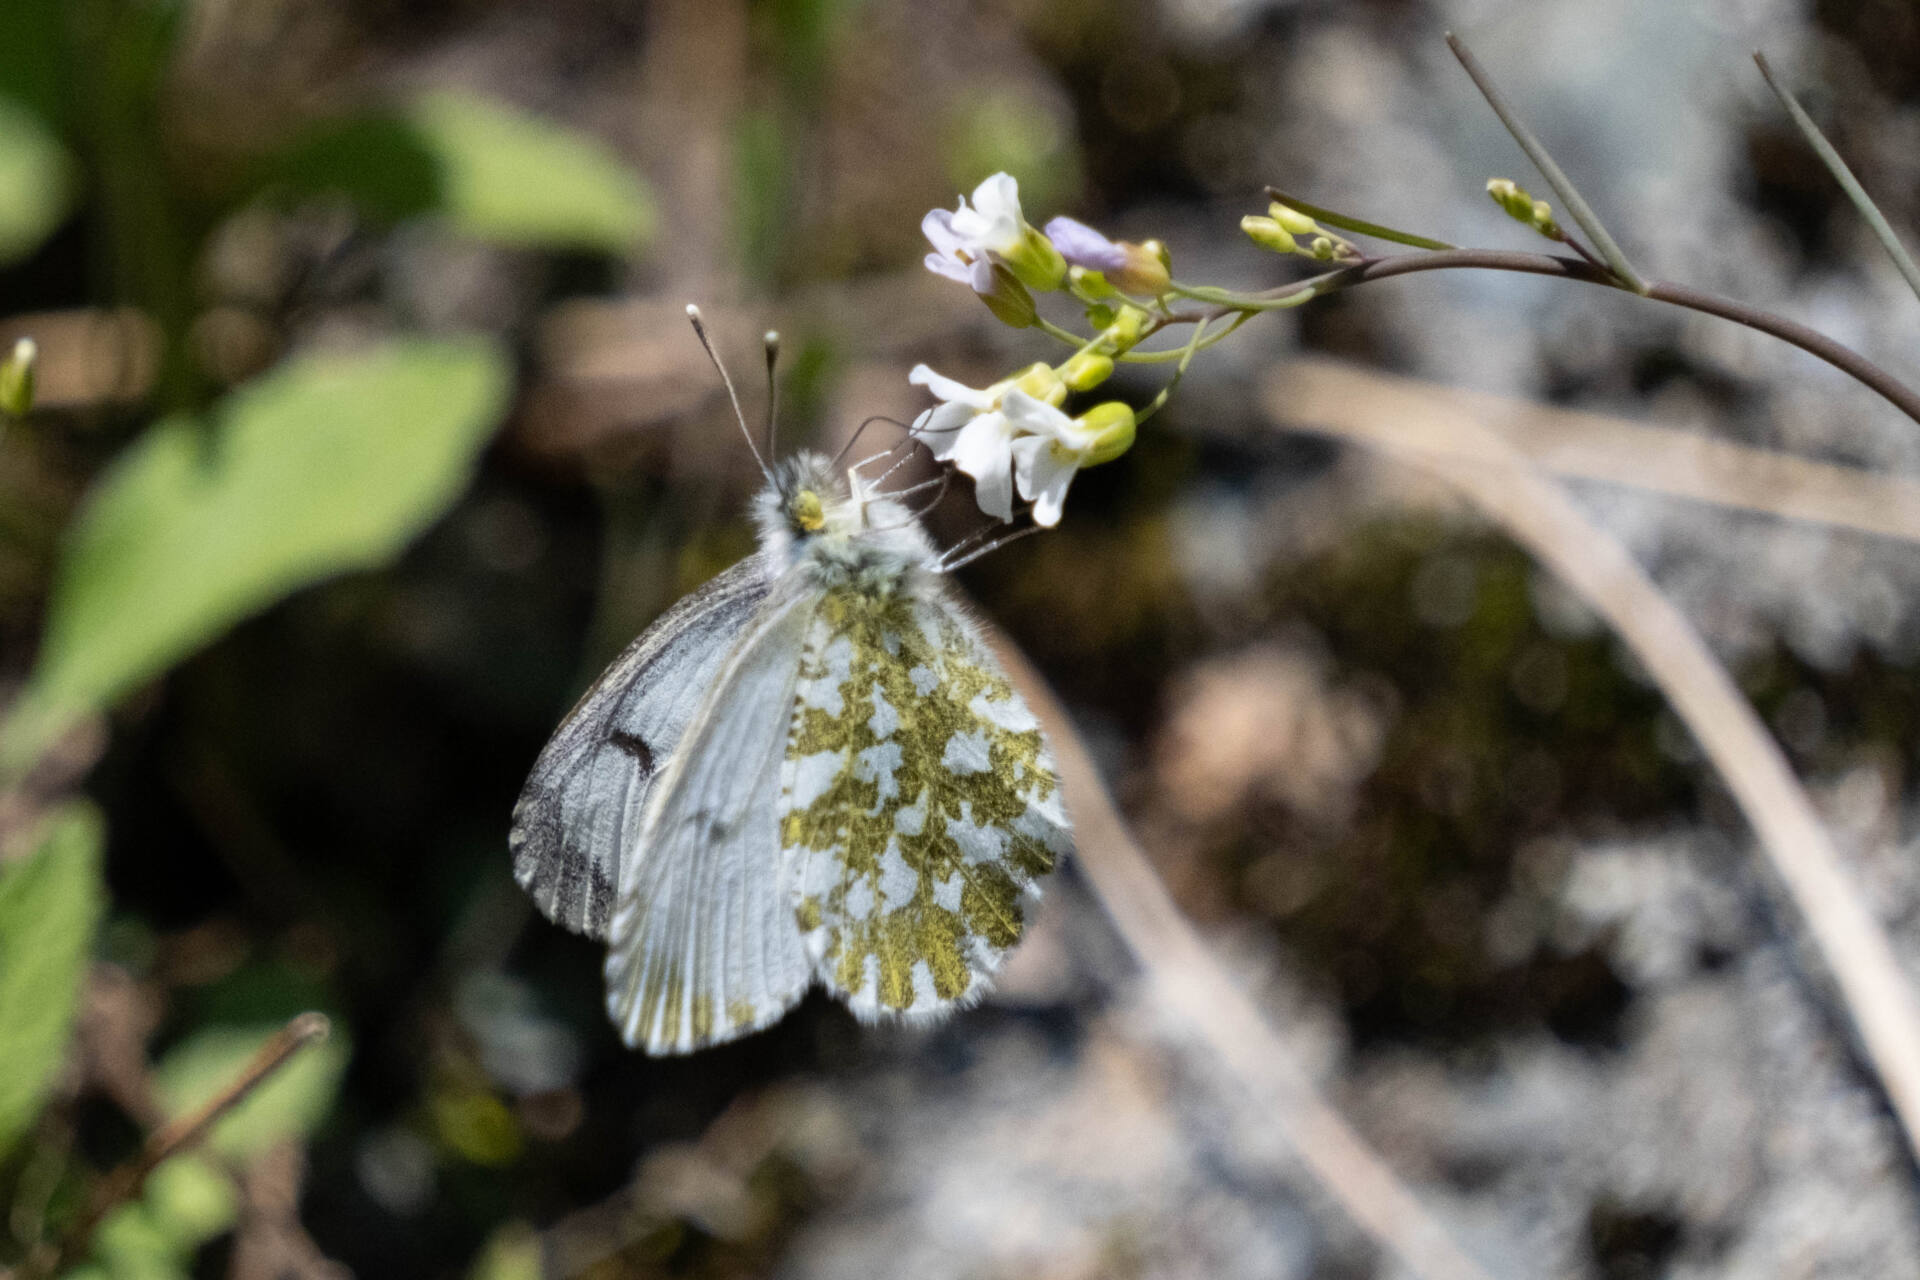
<point>807,512</point>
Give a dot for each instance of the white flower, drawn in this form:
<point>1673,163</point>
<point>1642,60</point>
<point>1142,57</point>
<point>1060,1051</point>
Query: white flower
<point>1048,449</point>
<point>964,239</point>
<point>968,430</point>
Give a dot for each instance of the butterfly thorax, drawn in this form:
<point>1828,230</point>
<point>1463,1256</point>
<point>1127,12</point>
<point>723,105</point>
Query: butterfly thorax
<point>811,517</point>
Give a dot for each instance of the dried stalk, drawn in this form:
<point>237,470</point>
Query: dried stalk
<point>1195,993</point>
<point>1538,514</point>
<point>181,1135</point>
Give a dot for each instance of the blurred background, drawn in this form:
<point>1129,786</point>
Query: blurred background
<point>401,285</point>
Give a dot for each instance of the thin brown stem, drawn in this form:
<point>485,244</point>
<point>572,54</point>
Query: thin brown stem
<point>177,1136</point>
<point>1811,341</point>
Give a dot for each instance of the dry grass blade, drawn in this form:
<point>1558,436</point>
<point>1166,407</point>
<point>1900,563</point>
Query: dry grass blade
<point>1537,513</point>
<point>1592,446</point>
<point>1192,989</point>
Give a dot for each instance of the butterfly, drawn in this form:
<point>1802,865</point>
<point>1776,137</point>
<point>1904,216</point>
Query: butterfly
<point>811,770</point>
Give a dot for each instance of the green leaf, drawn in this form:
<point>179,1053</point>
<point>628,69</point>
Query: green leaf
<point>36,182</point>
<point>50,905</point>
<point>491,172</point>
<point>1341,222</point>
<point>330,463</point>
<point>290,1104</point>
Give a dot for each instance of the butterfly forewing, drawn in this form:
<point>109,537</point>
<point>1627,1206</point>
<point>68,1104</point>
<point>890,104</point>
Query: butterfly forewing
<point>579,815</point>
<point>918,802</point>
<point>703,946</point>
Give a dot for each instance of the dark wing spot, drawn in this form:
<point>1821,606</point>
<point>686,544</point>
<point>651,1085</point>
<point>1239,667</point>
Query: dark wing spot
<point>634,745</point>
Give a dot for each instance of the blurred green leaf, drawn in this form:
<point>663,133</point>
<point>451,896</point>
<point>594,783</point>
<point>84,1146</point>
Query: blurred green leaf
<point>492,172</point>
<point>191,1201</point>
<point>50,905</point>
<point>1008,128</point>
<point>763,173</point>
<point>34,60</point>
<point>330,463</point>
<point>36,182</point>
<point>291,1104</point>
<point>136,1247</point>
<point>516,179</point>
<point>513,1253</point>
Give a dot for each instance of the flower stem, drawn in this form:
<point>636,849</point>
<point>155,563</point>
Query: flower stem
<point>1812,341</point>
<point>1562,185</point>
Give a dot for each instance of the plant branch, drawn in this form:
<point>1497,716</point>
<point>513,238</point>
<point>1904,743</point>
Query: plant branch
<point>1812,341</point>
<point>175,1137</point>
<point>1562,185</point>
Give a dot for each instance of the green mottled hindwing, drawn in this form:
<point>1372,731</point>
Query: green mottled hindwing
<point>919,805</point>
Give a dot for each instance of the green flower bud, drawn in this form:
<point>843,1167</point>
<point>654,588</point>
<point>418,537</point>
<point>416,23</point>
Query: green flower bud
<point>1128,324</point>
<point>1086,371</point>
<point>1268,234</point>
<point>1543,220</point>
<point>1041,382</point>
<point>1088,285</point>
<point>1519,202</point>
<point>16,379</point>
<point>1321,248</point>
<point>1148,270</point>
<point>1037,263</point>
<point>1295,222</point>
<point>1112,425</point>
<point>1100,316</point>
<point>1009,300</point>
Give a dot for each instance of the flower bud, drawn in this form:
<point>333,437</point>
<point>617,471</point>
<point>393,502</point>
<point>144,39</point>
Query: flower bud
<point>1295,222</point>
<point>1112,425</point>
<point>1268,233</point>
<point>1086,371</point>
<point>1100,316</point>
<point>1147,271</point>
<point>1543,220</point>
<point>1036,262</point>
<point>1042,383</point>
<point>1321,248</point>
<point>1522,207</point>
<point>1087,284</point>
<point>1128,325</point>
<point>16,379</point>
<point>1009,300</point>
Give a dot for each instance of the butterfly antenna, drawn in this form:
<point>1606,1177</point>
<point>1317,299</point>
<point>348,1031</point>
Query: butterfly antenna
<point>861,430</point>
<point>772,343</point>
<point>700,329</point>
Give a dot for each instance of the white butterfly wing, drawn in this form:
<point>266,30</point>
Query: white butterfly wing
<point>703,946</point>
<point>579,815</point>
<point>920,807</point>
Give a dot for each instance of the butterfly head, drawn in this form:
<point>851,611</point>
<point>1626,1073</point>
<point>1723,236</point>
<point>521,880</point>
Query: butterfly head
<point>810,514</point>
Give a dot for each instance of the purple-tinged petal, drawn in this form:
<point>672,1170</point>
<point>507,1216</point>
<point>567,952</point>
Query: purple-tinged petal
<point>1082,246</point>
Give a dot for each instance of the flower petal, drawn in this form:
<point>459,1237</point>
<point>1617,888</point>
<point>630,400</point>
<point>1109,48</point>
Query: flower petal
<point>947,389</point>
<point>951,268</point>
<point>1035,417</point>
<point>983,451</point>
<point>995,222</point>
<point>941,427</point>
<point>938,228</point>
<point>1081,245</point>
<point>1043,476</point>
